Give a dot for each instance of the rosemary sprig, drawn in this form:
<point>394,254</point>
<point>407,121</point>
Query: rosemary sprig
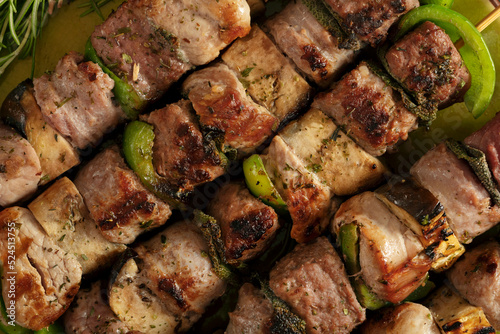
<point>93,6</point>
<point>22,23</point>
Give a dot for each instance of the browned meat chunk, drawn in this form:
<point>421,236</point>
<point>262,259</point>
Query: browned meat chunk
<point>173,274</point>
<point>311,47</point>
<point>452,181</point>
<point>391,256</point>
<point>76,100</point>
<point>20,169</point>
<point>180,153</point>
<point>370,20</point>
<point>222,104</point>
<point>252,314</point>
<point>64,216</point>
<point>408,318</point>
<point>313,281</point>
<point>44,278</point>
<point>268,76</point>
<point>145,56</point>
<point>201,28</point>
<point>477,278</point>
<point>427,64</point>
<point>91,314</point>
<point>371,111</point>
<point>343,166</point>
<point>309,201</point>
<point>117,200</point>
<point>247,224</point>
<point>487,139</point>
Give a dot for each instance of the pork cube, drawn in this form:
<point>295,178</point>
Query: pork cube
<point>313,49</point>
<point>267,75</point>
<point>313,281</point>
<point>20,169</point>
<point>247,224</point>
<point>373,113</point>
<point>118,202</point>
<point>221,102</point>
<point>181,153</point>
<point>428,65</point>
<point>370,20</point>
<point>77,100</point>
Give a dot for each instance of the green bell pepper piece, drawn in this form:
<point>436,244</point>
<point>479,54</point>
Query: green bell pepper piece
<point>475,53</point>
<point>138,139</point>
<point>260,185</point>
<point>349,245</point>
<point>130,102</point>
<point>444,3</point>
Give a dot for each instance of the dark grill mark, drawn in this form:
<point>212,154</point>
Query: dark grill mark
<point>315,59</point>
<point>169,286</point>
<point>121,213</point>
<point>452,327</point>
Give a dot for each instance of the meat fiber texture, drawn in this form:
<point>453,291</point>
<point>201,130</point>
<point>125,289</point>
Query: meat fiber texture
<point>372,113</point>
<point>408,318</point>
<point>248,225</point>
<point>45,277</point>
<point>77,100</point>
<point>313,281</point>
<point>428,65</point>
<point>370,20</point>
<point>467,203</point>
<point>312,48</point>
<point>117,200</point>
<point>487,139</point>
<point>252,314</point>
<point>20,169</point>
<point>181,153</point>
<point>222,104</point>
<point>91,314</point>
<point>477,278</point>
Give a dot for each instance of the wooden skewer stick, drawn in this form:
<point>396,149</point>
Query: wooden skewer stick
<point>483,24</point>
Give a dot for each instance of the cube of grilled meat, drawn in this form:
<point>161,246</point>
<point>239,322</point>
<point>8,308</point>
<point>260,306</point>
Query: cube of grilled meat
<point>252,314</point>
<point>169,285</point>
<point>201,28</point>
<point>392,259</point>
<point>487,139</point>
<point>247,224</point>
<point>370,20</point>
<point>140,53</point>
<point>372,112</point>
<point>268,76</point>
<point>181,153</point>
<point>428,65</point>
<point>39,279</point>
<point>421,212</point>
<point>454,315</point>
<point>313,281</point>
<point>220,100</point>
<point>118,202</point>
<point>477,278</point>
<point>467,203</point>
<point>409,318</point>
<point>311,47</point>
<point>21,111</point>
<point>76,100</point>
<point>90,313</point>
<point>309,201</point>
<point>64,216</point>
<point>344,166</point>
<point>20,169</point>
